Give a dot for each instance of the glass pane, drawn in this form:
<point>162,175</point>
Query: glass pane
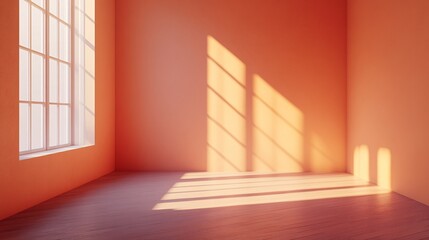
<point>90,31</point>
<point>53,125</point>
<point>90,9</point>
<point>64,83</point>
<point>37,77</point>
<point>38,29</point>
<point>53,81</point>
<point>41,3</point>
<point>24,23</point>
<point>64,42</point>
<point>53,7</point>
<point>53,37</point>
<point>65,10</point>
<point>37,138</point>
<point>64,124</point>
<point>24,75</point>
<point>24,127</point>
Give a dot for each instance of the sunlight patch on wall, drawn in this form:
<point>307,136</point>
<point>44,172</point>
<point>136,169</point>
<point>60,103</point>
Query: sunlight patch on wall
<point>224,151</point>
<point>361,162</point>
<point>277,130</point>
<point>283,108</point>
<point>384,161</point>
<point>226,59</point>
<point>226,109</point>
<point>226,117</point>
<point>275,125</point>
<point>223,84</point>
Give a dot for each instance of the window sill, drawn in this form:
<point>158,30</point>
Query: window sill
<point>49,152</point>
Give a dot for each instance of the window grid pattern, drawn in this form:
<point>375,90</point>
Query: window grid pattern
<point>46,64</point>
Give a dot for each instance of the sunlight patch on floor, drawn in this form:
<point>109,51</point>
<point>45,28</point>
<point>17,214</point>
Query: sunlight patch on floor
<point>212,190</point>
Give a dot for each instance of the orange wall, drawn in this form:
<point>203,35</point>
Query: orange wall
<point>297,47</point>
<point>388,72</point>
<point>26,183</point>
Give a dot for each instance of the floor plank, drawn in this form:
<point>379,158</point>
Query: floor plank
<point>132,205</point>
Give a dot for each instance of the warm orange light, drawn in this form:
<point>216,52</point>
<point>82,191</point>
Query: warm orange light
<point>277,140</point>
<point>253,188</point>
<point>247,191</point>
<point>227,88</point>
<point>269,155</point>
<point>278,103</point>
<point>226,59</point>
<point>384,168</point>
<point>277,131</point>
<point>226,109</point>
<point>220,112</point>
<point>196,175</point>
<point>361,162</point>
<point>250,177</point>
<point>223,149</point>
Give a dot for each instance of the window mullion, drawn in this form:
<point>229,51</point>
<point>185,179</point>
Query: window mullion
<point>30,78</point>
<point>47,76</point>
<point>72,73</point>
<point>58,75</point>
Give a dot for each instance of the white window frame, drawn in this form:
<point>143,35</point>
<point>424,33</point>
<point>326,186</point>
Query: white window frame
<point>81,125</point>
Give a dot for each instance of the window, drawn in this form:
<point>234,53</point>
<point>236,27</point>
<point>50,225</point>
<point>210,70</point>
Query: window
<point>56,74</point>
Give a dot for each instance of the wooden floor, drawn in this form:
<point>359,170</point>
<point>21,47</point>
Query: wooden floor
<point>211,206</point>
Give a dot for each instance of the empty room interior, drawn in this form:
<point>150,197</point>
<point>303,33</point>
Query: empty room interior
<point>214,119</point>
